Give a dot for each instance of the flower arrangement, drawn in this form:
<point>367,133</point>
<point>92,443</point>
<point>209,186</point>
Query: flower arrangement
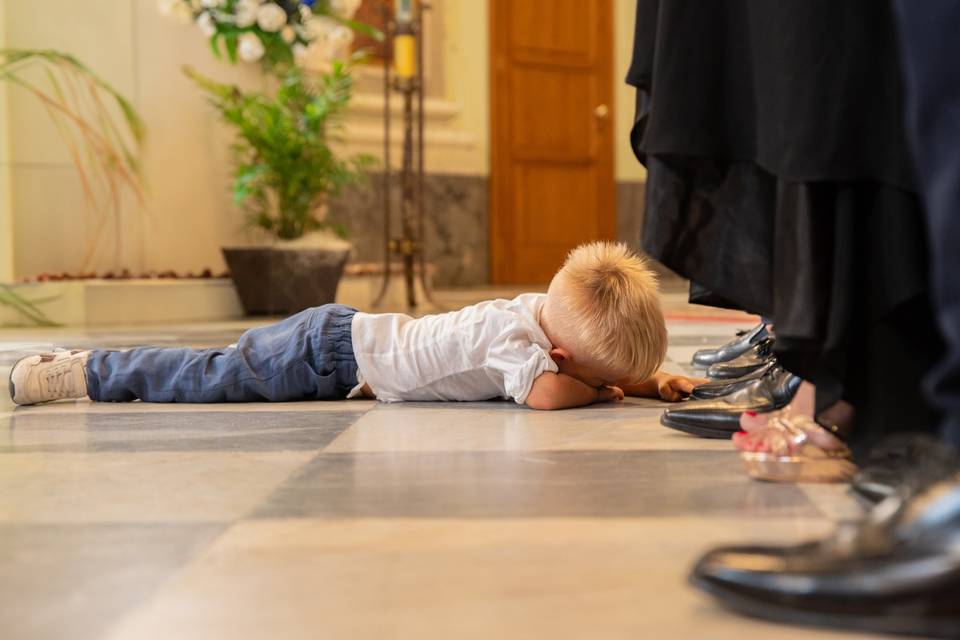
<point>276,33</point>
<point>285,169</point>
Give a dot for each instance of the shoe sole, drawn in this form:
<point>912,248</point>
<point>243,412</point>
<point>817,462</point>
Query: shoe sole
<point>12,387</point>
<point>771,467</point>
<point>874,623</point>
<point>701,432</point>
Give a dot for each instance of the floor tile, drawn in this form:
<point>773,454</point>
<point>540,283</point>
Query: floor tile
<point>76,581</point>
<point>151,430</point>
<point>503,426</point>
<point>426,579</point>
<point>539,484</point>
<point>139,487</point>
<point>366,520</point>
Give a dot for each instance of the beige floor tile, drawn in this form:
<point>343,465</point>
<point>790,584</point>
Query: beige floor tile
<point>424,579</point>
<point>505,427</point>
<point>139,487</point>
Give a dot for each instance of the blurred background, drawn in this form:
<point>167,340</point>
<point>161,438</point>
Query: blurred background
<point>526,154</point>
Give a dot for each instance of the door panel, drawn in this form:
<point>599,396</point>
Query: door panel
<point>551,29</point>
<point>546,109</point>
<point>552,184</point>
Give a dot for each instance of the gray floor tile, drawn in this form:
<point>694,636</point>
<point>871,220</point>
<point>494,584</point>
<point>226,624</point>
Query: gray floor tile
<point>531,485</point>
<point>77,581</point>
<point>28,431</point>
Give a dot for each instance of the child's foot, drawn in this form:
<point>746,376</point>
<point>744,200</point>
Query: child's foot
<point>49,376</point>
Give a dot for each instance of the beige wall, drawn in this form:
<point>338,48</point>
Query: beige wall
<point>6,217</point>
<point>189,214</point>
<point>627,166</point>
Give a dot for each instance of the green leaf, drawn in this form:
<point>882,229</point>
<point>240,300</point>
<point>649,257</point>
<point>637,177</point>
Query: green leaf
<point>231,40</point>
<point>215,45</point>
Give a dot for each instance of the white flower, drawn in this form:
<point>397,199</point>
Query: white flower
<point>211,4</point>
<point>345,8</point>
<point>271,17</point>
<point>207,26</point>
<point>246,12</point>
<point>250,48</point>
<point>288,34</point>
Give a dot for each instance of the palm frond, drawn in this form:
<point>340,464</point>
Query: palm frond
<point>27,309</point>
<point>101,129</point>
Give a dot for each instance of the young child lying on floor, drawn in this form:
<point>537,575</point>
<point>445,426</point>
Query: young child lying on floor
<point>597,334</point>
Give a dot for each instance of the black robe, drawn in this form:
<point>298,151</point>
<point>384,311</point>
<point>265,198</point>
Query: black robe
<point>779,182</point>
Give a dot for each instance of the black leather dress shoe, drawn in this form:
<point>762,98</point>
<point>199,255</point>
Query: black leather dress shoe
<point>903,464</point>
<point>897,572</point>
<point>736,347</point>
<point>720,417</point>
<point>721,388</point>
<point>759,355</point>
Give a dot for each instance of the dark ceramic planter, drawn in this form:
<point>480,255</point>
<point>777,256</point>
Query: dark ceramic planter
<point>277,281</point>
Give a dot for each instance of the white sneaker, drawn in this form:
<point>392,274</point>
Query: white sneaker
<point>49,376</point>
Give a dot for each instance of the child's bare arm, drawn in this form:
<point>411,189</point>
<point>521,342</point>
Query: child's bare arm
<point>559,391</point>
<point>662,385</point>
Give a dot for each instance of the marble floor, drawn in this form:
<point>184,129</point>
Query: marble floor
<point>358,520</point>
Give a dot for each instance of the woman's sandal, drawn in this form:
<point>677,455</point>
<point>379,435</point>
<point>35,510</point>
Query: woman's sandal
<point>786,451</point>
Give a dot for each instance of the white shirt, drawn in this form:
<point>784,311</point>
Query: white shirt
<point>494,349</point>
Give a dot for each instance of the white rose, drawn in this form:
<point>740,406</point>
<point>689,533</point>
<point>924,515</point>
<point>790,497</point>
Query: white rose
<point>271,18</point>
<point>250,48</point>
<point>207,26</point>
<point>211,4</point>
<point>345,8</point>
<point>288,34</point>
<point>246,12</point>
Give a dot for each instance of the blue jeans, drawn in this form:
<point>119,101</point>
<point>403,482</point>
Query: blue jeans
<point>308,356</point>
<point>931,57</point>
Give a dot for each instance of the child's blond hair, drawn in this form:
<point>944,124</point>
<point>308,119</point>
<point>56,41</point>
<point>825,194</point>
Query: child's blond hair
<point>609,305</point>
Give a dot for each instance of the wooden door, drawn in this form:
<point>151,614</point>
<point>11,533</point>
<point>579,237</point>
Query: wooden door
<point>552,182</point>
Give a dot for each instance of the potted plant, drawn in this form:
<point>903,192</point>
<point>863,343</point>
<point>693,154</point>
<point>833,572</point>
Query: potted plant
<point>285,169</point>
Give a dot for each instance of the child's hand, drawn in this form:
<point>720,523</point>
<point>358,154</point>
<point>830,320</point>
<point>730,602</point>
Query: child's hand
<point>608,394</point>
<point>675,388</point>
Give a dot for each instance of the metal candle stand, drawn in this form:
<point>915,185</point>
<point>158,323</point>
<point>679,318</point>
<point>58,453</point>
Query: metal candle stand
<point>405,34</point>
